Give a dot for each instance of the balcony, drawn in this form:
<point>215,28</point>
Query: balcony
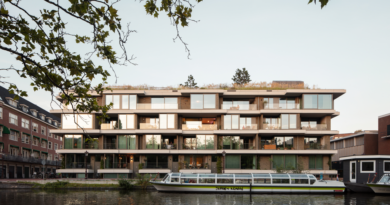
<point>315,127</point>
<point>165,146</point>
<point>28,160</point>
<point>109,146</point>
<point>109,126</point>
<point>240,107</point>
<point>247,146</point>
<point>93,145</point>
<point>279,106</point>
<point>149,106</point>
<point>149,126</point>
<point>154,165</point>
<point>316,146</point>
<point>77,165</point>
<point>249,127</point>
<point>116,165</point>
<point>271,127</point>
<point>200,127</point>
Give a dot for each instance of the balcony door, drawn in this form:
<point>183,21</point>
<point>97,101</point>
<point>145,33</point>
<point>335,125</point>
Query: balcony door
<point>352,171</point>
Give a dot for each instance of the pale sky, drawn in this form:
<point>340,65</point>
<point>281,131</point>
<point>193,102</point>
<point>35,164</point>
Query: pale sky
<point>345,45</point>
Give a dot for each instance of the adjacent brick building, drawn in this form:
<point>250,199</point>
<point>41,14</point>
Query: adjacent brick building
<point>26,142</point>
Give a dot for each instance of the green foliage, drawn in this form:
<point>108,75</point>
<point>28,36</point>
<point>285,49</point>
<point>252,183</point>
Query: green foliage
<point>219,165</point>
<point>241,77</point>
<point>142,181</point>
<point>190,83</point>
<point>126,184</point>
<point>55,185</point>
<point>140,165</point>
<point>323,2</point>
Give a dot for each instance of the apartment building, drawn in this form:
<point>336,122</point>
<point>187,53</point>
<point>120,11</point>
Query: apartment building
<point>201,131</point>
<point>27,144</point>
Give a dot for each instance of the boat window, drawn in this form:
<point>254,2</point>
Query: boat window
<point>385,179</point>
<point>243,181</point>
<point>175,174</point>
<point>175,180</point>
<point>262,181</point>
<point>261,176</point>
<point>189,180</point>
<point>207,180</point>
<point>225,176</point>
<point>167,178</point>
<point>189,176</point>
<point>312,181</point>
<point>311,176</point>
<point>225,181</point>
<point>280,176</point>
<point>280,181</point>
<point>299,181</point>
<point>207,175</point>
<point>247,176</point>
<point>298,176</point>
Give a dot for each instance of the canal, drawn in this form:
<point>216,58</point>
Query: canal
<point>31,197</point>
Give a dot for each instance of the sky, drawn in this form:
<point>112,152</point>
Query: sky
<point>345,45</point>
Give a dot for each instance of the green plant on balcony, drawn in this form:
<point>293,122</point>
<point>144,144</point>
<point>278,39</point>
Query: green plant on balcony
<point>174,146</point>
<point>140,165</point>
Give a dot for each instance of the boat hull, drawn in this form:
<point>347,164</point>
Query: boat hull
<point>380,188</point>
<point>163,187</point>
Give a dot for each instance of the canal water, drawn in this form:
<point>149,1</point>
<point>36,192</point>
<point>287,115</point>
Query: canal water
<point>31,197</point>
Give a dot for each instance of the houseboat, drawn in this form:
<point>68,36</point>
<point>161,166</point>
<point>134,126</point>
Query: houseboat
<point>383,185</point>
<point>245,183</point>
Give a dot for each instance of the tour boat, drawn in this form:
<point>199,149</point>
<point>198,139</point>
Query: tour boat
<point>382,186</point>
<point>245,183</point>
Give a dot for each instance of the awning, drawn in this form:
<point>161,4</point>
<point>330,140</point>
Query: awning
<point>44,152</point>
<point>5,130</point>
<point>44,139</point>
<point>14,130</point>
<point>34,150</point>
<point>26,134</point>
<point>36,137</point>
<point>14,146</point>
<point>27,148</point>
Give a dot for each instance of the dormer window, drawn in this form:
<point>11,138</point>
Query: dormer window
<point>49,119</point>
<point>34,112</point>
<point>42,116</point>
<point>12,102</point>
<point>24,107</point>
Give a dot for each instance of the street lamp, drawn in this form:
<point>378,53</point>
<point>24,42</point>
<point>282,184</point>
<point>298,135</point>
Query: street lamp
<point>223,166</point>
<point>85,160</point>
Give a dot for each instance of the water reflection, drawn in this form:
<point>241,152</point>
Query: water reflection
<point>75,197</point>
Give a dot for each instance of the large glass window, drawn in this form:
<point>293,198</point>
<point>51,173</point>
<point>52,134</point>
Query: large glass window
<point>209,101</point>
<point>386,166</point>
<point>286,143</point>
<point>116,101</point>
<point>153,141</point>
<point>126,142</point>
<point>125,102</point>
<point>204,141</point>
<point>284,161</point>
<point>171,103</point>
<point>231,142</point>
<point>367,165</point>
<point>315,162</point>
<point>231,122</point>
<point>271,123</point>
<point>310,101</point>
<point>289,121</point>
<point>157,103</point>
<point>83,121</point>
<point>77,141</point>
<point>325,102</point>
<point>203,101</point>
<point>248,161</point>
<point>269,103</point>
<point>196,101</point>
<point>167,121</point>
<point>232,161</point>
<point>156,161</point>
<point>68,121</point>
<point>133,102</point>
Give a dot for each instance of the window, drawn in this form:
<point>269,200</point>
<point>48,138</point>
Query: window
<point>43,130</point>
<point>55,123</point>
<point>286,143</point>
<point>271,123</point>
<point>367,166</point>
<point>13,119</point>
<point>167,121</point>
<point>35,127</point>
<point>42,116</point>
<point>49,120</point>
<point>1,113</point>
<point>232,161</point>
<point>204,141</point>
<point>14,135</point>
<point>126,122</point>
<point>82,120</point>
<point>248,123</point>
<point>203,101</point>
<point>50,145</point>
<point>386,166</point>
<point>153,141</point>
<point>49,133</point>
<point>284,161</point>
<point>315,162</point>
<point>231,142</point>
<point>55,146</point>
<point>289,121</point>
<point>14,151</point>
<point>60,146</point>
<point>126,142</point>
<point>323,101</point>
<point>26,138</point>
<point>34,112</point>
<point>25,123</point>
<point>287,103</point>
<point>35,141</point>
<point>49,157</point>
<point>388,129</point>
<point>13,102</point>
<point>25,108</point>
<point>115,99</point>
<point>26,153</point>
<point>312,143</point>
<point>349,142</point>
<point>55,137</point>
<point>339,144</point>
<point>231,122</point>
<point>43,143</point>
<point>248,161</point>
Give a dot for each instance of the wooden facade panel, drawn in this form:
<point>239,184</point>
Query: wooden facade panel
<point>185,103</point>
<point>265,162</point>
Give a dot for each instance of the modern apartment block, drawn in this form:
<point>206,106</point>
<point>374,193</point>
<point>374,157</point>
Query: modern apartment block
<point>163,131</point>
<point>27,144</point>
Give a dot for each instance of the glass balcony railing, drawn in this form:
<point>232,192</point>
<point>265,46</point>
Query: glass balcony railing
<point>116,165</point>
<point>149,106</point>
<point>316,146</point>
<point>196,166</point>
<point>271,126</point>
<point>315,127</point>
<point>199,127</point>
<point>109,126</point>
<point>240,107</point>
<point>249,127</point>
<point>79,165</point>
<point>167,146</point>
<point>278,106</point>
<point>149,126</point>
<point>154,165</point>
<point>109,145</point>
